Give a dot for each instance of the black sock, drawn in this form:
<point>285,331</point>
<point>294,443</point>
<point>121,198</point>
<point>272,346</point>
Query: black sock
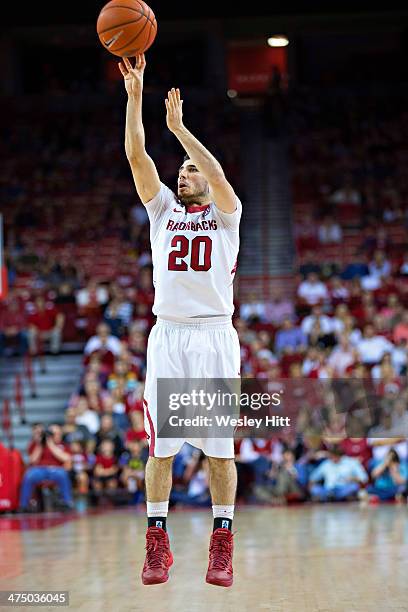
<point>222,523</point>
<point>157,521</point>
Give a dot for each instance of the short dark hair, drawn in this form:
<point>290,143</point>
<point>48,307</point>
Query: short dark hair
<point>336,450</point>
<point>186,157</point>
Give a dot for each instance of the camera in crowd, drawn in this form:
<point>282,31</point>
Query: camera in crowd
<point>47,433</point>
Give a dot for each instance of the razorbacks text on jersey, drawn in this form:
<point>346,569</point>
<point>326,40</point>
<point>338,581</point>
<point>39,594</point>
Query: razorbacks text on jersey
<point>194,257</point>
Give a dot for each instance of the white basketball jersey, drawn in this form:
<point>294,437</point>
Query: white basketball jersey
<point>194,257</point>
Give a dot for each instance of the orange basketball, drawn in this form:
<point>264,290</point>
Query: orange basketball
<point>126,27</point>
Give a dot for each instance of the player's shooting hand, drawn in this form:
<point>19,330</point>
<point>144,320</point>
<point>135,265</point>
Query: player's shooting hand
<point>133,76</point>
<point>174,107</point>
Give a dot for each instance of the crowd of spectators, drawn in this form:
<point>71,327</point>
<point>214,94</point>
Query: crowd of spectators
<point>346,321</point>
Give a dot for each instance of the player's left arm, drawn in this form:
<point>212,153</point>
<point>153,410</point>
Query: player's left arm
<point>223,193</point>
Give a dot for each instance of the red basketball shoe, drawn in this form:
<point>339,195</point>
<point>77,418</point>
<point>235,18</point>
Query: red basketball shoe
<point>220,570</point>
<point>158,556</point>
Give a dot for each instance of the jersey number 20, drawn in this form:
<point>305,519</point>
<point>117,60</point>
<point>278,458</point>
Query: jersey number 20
<point>200,248</point>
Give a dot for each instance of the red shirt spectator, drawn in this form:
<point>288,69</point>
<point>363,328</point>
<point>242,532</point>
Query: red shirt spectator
<point>137,430</point>
<point>134,434</point>
<point>401,330</point>
<point>43,315</point>
<point>47,457</point>
<point>105,462</point>
<point>12,316</point>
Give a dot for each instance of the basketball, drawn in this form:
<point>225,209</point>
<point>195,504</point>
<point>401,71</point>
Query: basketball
<point>126,27</point>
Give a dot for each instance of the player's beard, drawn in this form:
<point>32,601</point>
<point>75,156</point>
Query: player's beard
<point>199,197</point>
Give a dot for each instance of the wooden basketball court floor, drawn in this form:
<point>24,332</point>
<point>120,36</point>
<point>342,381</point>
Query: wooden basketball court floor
<point>327,558</point>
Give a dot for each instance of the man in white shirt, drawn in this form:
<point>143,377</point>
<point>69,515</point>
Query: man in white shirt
<point>342,356</point>
<point>312,290</point>
<point>326,323</point>
<point>87,417</point>
<point>103,340</point>
<point>371,348</point>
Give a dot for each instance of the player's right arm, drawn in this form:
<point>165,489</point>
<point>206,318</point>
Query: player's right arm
<point>143,169</point>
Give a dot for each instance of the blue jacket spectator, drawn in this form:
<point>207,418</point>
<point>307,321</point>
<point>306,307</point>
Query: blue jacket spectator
<point>340,477</point>
<point>355,268</point>
<point>290,339</point>
<point>389,476</point>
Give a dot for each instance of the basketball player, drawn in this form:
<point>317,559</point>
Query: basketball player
<point>195,241</point>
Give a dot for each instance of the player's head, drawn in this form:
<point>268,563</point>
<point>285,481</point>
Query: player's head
<point>192,187</point>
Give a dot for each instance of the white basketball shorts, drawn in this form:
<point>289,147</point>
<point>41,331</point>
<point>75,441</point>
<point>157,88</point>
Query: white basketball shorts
<point>204,348</point>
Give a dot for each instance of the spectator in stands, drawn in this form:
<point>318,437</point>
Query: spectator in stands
<point>288,479</point>
<point>255,456</point>
<point>399,357</point>
<point>371,348</point>
<point>390,477</point>
<point>400,332</point>
<point>364,308</point>
<point>399,416</point>
<point>278,308</point>
<point>339,319</point>
<point>338,290</point>
<point>80,467</point>
<point>65,295</point>
<point>374,239</point>
<point>108,431</point>
<point>351,330</point>
<point>49,459</point>
<point>132,463</point>
<point>391,201</point>
<point>73,431</point>
<point>106,469</point>
<point>142,318</point>
<point>342,356</point>
<point>329,231</point>
<point>103,342</point>
<point>347,194</point>
<point>13,326</point>
<point>403,269</point>
<point>45,323</point>
<point>325,322</point>
<point>85,416</point>
<point>145,290</point>
<point>122,305</point>
<point>357,268</point>
<point>318,337</point>
<point>379,266</point>
<point>92,297</point>
<point>113,318</point>
<point>306,233</point>
<point>253,310</point>
<point>135,346</point>
<point>309,264</point>
<point>312,290</point>
<point>264,360</point>
<point>136,430</point>
<point>94,393</point>
<point>392,311</point>
<point>115,404</point>
<point>290,339</point>
<point>337,478</point>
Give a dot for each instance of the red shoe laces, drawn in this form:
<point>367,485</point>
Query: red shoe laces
<point>220,552</point>
<point>156,551</point>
